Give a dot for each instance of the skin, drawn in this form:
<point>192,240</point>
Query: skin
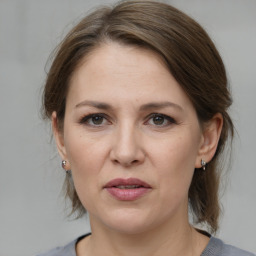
<point>131,84</point>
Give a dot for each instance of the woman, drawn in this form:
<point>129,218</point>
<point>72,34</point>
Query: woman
<point>138,99</point>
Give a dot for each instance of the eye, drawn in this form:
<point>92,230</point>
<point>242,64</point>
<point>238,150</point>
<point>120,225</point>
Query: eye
<point>160,120</point>
<point>94,120</point>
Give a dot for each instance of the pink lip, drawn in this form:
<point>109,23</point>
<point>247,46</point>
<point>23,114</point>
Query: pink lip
<point>127,194</point>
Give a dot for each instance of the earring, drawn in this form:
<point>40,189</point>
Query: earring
<point>63,165</point>
<point>203,164</point>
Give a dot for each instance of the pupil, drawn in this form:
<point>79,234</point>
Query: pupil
<point>97,119</point>
<point>158,120</point>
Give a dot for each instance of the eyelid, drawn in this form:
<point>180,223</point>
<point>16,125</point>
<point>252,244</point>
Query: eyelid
<point>84,119</point>
<point>170,119</point>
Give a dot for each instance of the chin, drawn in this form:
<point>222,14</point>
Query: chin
<point>130,228</point>
<point>129,221</point>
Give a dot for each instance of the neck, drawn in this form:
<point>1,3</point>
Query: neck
<point>172,240</point>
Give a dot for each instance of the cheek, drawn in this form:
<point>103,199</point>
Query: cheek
<point>177,151</point>
<point>175,161</point>
<point>86,159</point>
<point>84,153</point>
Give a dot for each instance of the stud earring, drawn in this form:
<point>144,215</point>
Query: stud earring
<point>63,165</point>
<point>203,164</point>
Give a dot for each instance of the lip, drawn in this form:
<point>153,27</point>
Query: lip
<point>127,194</point>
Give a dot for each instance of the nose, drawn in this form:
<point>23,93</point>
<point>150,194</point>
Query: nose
<point>127,149</point>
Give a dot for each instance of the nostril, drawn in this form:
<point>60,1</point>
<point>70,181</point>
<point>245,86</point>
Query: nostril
<point>133,162</point>
<point>127,155</point>
<point>126,163</point>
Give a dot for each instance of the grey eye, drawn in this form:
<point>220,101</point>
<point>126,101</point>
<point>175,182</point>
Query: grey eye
<point>158,120</point>
<point>94,120</point>
<point>97,120</point>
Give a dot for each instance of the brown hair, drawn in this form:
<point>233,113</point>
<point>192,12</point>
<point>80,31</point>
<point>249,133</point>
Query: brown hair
<point>190,56</point>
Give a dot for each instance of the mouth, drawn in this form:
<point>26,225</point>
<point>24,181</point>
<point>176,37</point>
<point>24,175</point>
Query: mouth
<point>127,189</point>
<point>128,186</point>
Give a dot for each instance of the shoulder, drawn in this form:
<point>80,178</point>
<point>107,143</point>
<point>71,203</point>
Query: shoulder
<point>217,247</point>
<point>67,250</point>
<point>234,251</point>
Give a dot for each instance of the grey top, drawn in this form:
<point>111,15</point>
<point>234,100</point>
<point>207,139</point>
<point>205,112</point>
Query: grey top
<point>215,247</point>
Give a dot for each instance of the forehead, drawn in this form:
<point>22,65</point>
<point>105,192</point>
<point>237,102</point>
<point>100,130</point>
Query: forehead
<point>128,72</point>
<point>124,57</point>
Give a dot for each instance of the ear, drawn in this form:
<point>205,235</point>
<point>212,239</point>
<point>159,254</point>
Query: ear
<point>210,139</point>
<point>59,138</point>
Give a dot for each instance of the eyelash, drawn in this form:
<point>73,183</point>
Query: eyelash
<point>167,118</point>
<point>86,119</point>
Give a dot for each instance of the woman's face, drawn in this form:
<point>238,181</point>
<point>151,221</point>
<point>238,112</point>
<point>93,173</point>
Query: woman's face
<point>131,138</point>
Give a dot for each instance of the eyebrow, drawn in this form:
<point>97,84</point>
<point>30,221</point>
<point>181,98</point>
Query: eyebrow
<point>160,105</point>
<point>148,106</point>
<point>95,104</point>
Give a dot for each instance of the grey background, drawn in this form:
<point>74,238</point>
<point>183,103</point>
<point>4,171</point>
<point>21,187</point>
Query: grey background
<point>32,215</point>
